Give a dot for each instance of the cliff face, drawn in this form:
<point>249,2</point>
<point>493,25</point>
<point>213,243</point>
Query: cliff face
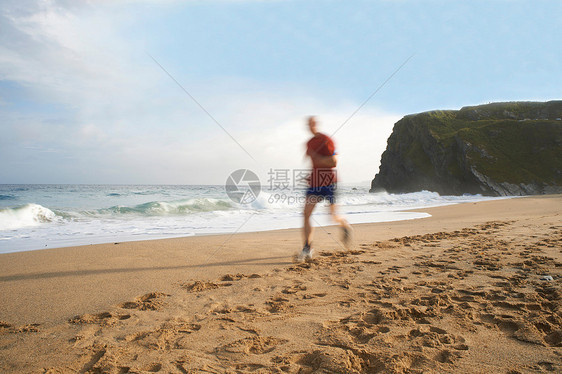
<point>499,149</point>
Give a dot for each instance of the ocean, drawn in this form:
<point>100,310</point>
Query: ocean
<point>34,217</point>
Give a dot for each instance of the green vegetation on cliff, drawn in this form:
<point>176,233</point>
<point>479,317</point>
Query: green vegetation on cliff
<point>495,149</point>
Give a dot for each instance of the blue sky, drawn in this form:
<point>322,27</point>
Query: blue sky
<point>82,101</point>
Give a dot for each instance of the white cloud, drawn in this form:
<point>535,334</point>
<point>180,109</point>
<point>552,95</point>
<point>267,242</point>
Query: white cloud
<point>275,133</point>
<point>120,119</point>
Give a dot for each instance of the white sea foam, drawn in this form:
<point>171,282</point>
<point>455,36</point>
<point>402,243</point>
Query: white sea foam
<point>157,208</point>
<point>29,215</point>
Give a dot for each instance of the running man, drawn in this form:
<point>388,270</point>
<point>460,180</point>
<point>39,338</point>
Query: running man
<point>322,185</point>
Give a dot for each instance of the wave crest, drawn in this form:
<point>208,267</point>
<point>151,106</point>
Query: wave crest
<point>25,216</point>
<point>158,208</point>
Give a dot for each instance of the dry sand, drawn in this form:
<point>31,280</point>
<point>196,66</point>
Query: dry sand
<point>461,291</point>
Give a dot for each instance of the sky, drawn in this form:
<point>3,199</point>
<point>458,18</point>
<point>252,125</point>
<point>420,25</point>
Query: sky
<point>186,92</point>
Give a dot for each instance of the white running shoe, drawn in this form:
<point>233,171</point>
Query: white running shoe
<point>306,254</point>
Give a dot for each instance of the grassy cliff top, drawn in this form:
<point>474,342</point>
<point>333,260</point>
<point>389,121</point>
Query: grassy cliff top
<point>518,142</point>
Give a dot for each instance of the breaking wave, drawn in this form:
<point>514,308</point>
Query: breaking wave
<point>25,216</point>
<point>158,208</point>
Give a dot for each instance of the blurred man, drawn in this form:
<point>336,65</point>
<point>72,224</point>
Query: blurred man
<point>322,185</point>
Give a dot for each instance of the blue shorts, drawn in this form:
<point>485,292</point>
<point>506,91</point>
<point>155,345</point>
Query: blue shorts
<point>325,192</point>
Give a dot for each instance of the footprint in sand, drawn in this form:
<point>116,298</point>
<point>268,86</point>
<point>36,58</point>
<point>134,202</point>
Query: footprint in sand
<point>7,328</point>
<point>254,345</point>
<point>279,305</point>
<point>515,327</point>
<point>435,337</point>
<point>172,334</point>
<point>150,301</point>
<point>314,296</point>
<point>291,290</point>
<point>199,286</point>
<point>104,319</point>
<point>237,277</point>
<point>338,360</point>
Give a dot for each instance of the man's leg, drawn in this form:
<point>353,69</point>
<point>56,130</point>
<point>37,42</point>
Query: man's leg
<point>342,222</point>
<point>309,205</point>
<point>336,217</point>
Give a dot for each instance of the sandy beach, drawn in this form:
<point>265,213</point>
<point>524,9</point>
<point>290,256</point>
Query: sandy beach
<point>473,289</point>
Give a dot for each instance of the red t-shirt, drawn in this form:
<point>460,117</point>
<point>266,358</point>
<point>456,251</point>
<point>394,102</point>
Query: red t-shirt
<point>323,145</point>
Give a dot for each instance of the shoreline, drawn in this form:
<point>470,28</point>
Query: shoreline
<point>152,216</point>
<point>420,210</point>
<point>43,290</point>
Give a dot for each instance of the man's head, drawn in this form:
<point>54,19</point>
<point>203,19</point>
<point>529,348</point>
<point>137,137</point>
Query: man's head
<point>312,125</point>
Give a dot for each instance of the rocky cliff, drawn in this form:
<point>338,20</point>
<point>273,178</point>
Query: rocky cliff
<point>499,149</point>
